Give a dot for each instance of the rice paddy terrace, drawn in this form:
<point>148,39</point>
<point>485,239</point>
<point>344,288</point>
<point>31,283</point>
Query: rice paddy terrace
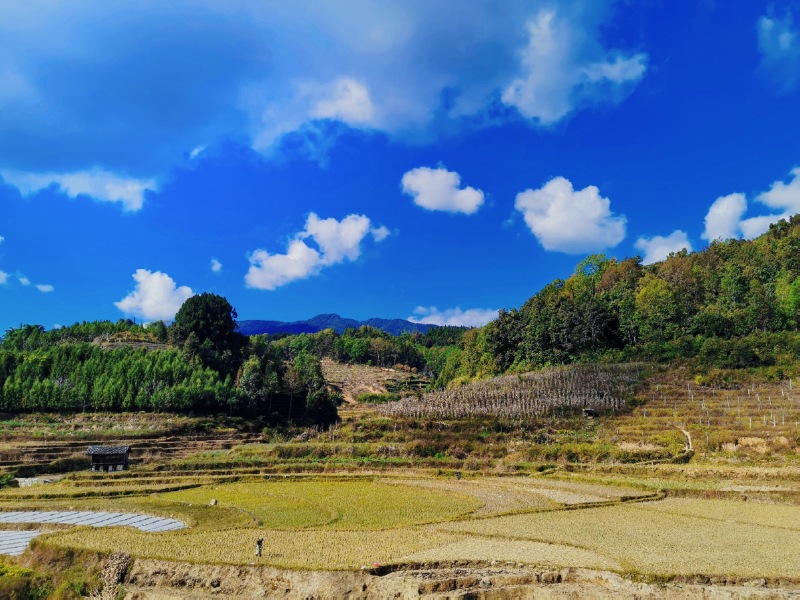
<point>677,488</point>
<point>411,534</point>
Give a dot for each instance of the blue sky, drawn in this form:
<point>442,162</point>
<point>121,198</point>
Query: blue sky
<point>397,159</point>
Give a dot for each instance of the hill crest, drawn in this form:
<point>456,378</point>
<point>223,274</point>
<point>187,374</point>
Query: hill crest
<point>329,321</point>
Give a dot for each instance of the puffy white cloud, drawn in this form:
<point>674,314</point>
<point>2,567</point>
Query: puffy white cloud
<point>269,271</point>
<point>565,220</point>
<point>473,317</point>
<point>658,247</point>
<point>348,102</point>
<point>196,151</point>
<point>337,241</point>
<point>779,44</point>
<point>99,184</point>
<point>24,280</point>
<point>380,234</point>
<point>722,220</point>
<point>560,73</point>
<point>438,189</point>
<point>785,196</point>
<point>156,296</point>
<point>216,266</point>
<point>44,288</point>
<point>3,278</point>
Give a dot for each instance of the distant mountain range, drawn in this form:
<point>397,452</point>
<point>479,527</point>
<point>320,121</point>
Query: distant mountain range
<point>335,322</point>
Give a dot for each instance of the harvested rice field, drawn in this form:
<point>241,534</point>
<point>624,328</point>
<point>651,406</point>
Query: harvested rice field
<point>665,537</point>
<point>338,504</point>
<point>345,524</point>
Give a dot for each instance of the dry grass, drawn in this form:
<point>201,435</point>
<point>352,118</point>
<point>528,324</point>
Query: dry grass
<point>305,549</point>
<point>645,538</point>
<point>497,495</point>
<point>768,515</point>
<point>485,549</point>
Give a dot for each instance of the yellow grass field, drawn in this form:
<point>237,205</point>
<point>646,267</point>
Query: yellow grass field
<point>648,537</point>
<point>341,524</point>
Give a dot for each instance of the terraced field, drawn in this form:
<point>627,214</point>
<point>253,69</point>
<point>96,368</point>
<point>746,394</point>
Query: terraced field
<point>325,523</point>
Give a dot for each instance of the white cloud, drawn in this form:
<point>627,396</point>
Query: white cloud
<point>3,278</point>
<point>216,266</point>
<point>337,241</point>
<point>348,102</point>
<point>779,44</point>
<point>380,234</point>
<point>388,67</point>
<point>722,220</point>
<point>564,220</point>
<point>659,248</point>
<point>474,317</point>
<point>155,296</point>
<point>782,195</point>
<point>755,226</point>
<point>1,239</point>
<point>97,183</point>
<point>438,189</point>
<point>44,288</point>
<point>196,151</point>
<point>560,75</point>
<point>24,280</point>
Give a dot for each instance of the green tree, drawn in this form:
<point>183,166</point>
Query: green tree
<point>212,319</point>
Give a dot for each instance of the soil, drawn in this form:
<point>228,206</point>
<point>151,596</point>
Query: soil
<point>152,579</point>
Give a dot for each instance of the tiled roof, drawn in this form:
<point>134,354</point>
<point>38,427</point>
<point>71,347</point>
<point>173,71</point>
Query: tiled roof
<point>107,450</point>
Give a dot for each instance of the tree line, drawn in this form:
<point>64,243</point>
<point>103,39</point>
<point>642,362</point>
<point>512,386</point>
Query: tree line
<point>736,303</point>
<point>203,365</point>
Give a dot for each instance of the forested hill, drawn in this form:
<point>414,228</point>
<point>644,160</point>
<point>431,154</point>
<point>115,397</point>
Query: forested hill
<point>734,304</point>
<point>329,321</point>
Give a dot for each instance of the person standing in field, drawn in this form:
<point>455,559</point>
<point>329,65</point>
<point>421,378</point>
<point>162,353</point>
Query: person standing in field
<point>259,546</point>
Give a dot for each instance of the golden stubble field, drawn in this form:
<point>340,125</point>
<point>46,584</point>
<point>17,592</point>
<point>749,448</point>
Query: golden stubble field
<point>341,524</point>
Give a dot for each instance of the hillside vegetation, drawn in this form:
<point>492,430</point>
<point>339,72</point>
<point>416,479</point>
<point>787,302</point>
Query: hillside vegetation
<point>735,304</point>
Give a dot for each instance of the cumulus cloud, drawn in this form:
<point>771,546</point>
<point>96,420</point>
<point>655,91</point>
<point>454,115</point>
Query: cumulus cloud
<point>44,288</point>
<point>24,280</point>
<point>565,220</point>
<point>155,296</point>
<point>336,241</point>
<point>473,317</point>
<point>252,69</point>
<point>658,247</point>
<point>779,45</point>
<point>99,184</point>
<point>560,73</point>
<point>785,196</point>
<point>724,219</point>
<point>348,102</point>
<point>216,266</point>
<point>3,278</point>
<point>380,234</point>
<point>438,189</point>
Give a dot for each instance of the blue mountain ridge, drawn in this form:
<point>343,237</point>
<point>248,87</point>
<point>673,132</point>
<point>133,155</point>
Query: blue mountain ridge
<point>329,321</point>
